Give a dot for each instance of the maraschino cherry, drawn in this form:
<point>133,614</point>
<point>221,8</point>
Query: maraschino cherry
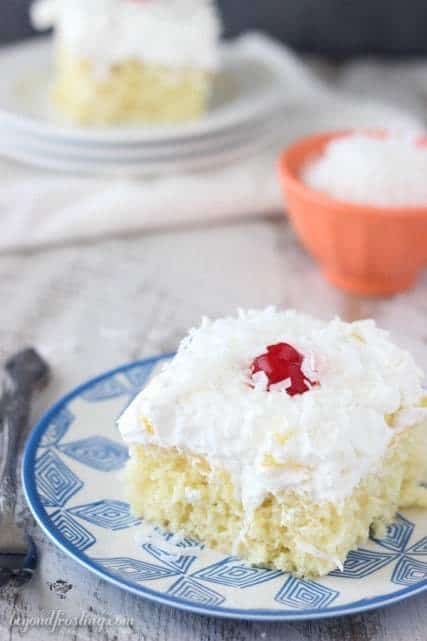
<point>281,362</point>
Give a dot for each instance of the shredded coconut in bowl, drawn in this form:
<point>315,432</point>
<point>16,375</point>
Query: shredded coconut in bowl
<point>362,168</point>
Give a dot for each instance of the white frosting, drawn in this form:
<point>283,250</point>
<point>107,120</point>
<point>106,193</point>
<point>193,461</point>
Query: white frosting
<point>170,32</point>
<point>322,442</point>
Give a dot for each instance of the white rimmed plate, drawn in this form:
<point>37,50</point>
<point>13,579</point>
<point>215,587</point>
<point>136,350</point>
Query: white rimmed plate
<point>138,165</point>
<point>200,147</point>
<point>251,85</point>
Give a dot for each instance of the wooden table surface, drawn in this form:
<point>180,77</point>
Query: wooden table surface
<point>92,307</point>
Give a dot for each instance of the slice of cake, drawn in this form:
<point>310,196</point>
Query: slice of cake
<point>279,438</point>
<point>126,61</point>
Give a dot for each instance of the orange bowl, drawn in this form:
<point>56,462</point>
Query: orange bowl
<point>362,249</point>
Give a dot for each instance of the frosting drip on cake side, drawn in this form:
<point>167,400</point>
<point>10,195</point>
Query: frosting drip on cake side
<point>322,442</point>
<point>176,33</point>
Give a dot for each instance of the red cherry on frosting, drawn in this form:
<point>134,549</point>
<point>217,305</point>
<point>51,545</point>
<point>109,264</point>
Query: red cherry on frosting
<point>281,362</point>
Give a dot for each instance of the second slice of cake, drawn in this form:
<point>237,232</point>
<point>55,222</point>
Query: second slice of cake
<point>279,438</point>
<point>130,61</point>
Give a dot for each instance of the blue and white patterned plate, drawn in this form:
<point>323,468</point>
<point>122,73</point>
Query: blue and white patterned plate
<point>71,475</point>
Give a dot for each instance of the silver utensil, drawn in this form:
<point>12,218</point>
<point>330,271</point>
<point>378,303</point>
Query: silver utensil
<point>24,374</point>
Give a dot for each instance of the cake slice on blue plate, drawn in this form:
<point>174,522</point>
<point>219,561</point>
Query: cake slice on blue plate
<point>127,61</point>
<point>279,438</point>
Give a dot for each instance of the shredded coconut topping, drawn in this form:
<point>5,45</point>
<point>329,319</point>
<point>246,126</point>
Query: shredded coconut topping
<point>321,442</point>
<point>361,168</point>
<point>170,32</point>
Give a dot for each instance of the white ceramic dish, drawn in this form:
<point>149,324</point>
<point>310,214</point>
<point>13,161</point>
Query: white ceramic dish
<point>136,166</point>
<point>200,147</point>
<point>252,85</point>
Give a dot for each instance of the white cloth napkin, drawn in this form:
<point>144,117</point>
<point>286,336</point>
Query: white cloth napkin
<point>40,208</point>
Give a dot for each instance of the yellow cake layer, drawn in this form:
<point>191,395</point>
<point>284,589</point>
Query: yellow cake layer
<point>181,492</point>
<point>130,92</point>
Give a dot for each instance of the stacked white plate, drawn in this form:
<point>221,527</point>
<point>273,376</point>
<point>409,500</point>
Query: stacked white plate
<point>246,107</point>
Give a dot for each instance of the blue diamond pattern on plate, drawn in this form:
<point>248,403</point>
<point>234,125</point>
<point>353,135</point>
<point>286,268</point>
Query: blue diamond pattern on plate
<point>72,475</point>
<point>361,563</point>
<point>134,570</point>
<point>301,593</point>
<point>409,571</point>
<point>56,483</point>
<point>180,563</point>
<point>179,542</point>
<point>398,535</point>
<point>191,590</point>
<point>109,514</point>
<point>97,452</point>
<point>103,390</point>
<point>138,375</point>
<point>420,548</point>
<point>234,573</point>
<point>58,427</point>
<point>70,529</point>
